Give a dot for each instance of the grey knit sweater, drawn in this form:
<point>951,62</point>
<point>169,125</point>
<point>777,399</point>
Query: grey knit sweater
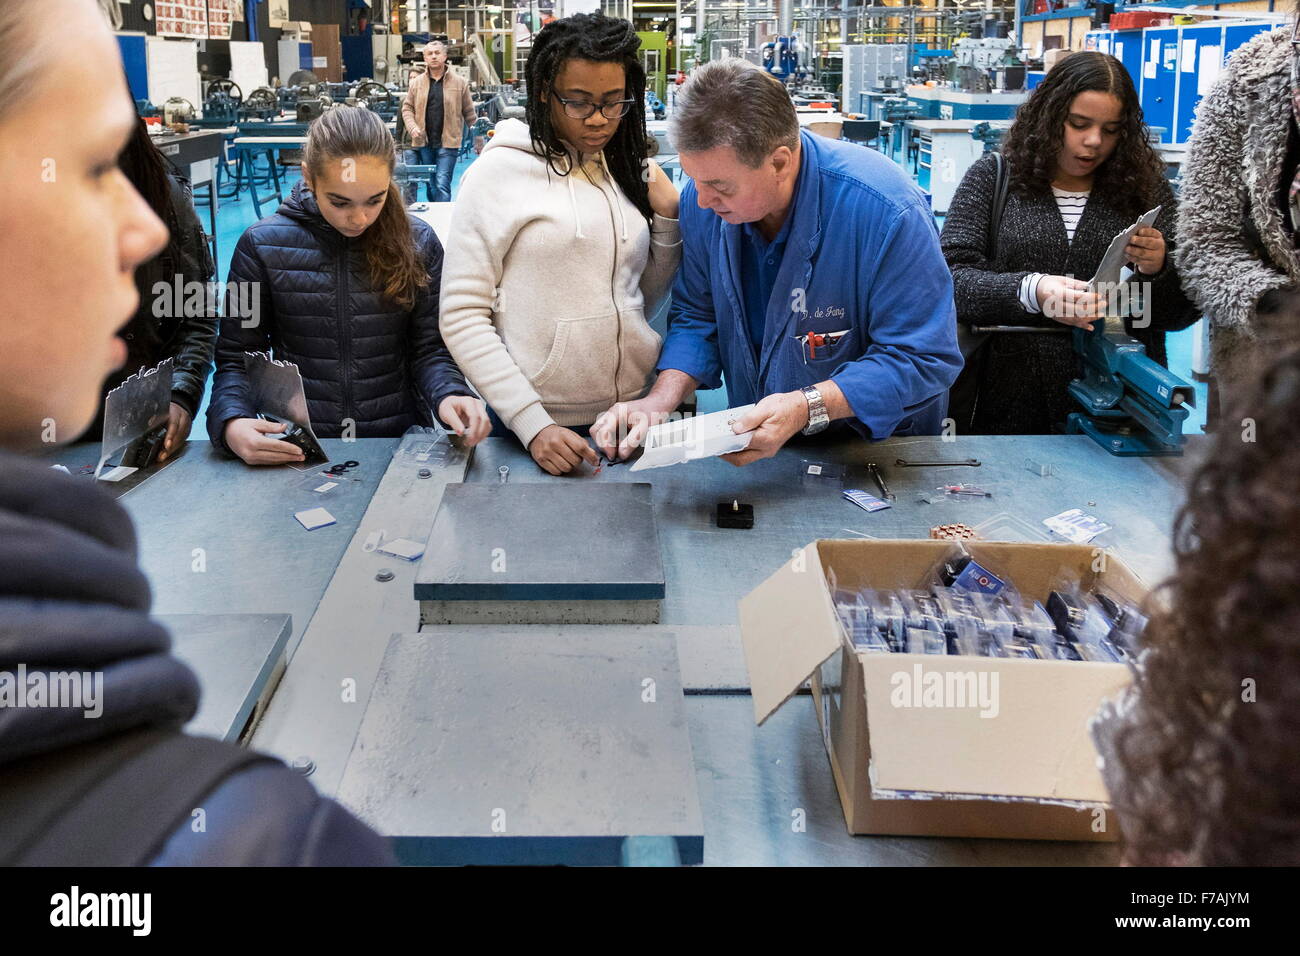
<point>1023,386</point>
<point>1236,244</point>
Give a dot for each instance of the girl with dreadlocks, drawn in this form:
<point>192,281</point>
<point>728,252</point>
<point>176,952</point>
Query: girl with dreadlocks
<point>564,238</point>
<point>1079,170</point>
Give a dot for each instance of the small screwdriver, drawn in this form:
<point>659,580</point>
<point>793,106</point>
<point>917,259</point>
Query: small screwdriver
<point>879,477</point>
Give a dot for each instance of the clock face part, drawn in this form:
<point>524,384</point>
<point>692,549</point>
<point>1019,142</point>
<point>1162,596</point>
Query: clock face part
<point>147,11</point>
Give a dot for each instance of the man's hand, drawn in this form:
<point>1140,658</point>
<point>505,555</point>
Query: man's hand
<point>1146,250</point>
<point>774,420</point>
<point>246,437</point>
<point>178,430</point>
<point>467,417</point>
<point>559,450</point>
<point>621,430</point>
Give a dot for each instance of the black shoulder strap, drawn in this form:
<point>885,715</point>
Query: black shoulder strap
<point>110,802</point>
<point>1002,183</point>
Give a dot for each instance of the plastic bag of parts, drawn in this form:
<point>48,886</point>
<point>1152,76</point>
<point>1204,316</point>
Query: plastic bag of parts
<point>1098,625</point>
<point>821,474</point>
<point>423,447</point>
<point>958,569</point>
<point>320,485</point>
<point>1075,626</point>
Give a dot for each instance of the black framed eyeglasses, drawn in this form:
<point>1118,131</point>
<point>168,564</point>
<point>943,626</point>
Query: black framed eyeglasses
<point>582,109</point>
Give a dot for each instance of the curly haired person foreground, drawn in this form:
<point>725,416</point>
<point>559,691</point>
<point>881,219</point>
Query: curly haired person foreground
<point>1203,757</point>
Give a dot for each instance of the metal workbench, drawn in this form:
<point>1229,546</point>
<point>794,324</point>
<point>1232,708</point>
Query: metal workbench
<point>752,782</point>
<point>217,536</point>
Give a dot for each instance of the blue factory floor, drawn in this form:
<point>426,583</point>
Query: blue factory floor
<point>233,217</point>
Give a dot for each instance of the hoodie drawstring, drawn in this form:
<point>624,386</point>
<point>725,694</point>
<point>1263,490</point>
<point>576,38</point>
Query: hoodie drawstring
<point>573,198</point>
<point>622,217</point>
<point>573,201</point>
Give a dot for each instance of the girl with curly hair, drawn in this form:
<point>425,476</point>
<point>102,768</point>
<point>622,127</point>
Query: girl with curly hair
<point>1202,754</point>
<point>1080,170</point>
<point>564,239</point>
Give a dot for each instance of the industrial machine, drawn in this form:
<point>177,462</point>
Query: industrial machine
<point>931,65</point>
<point>898,110</point>
<point>989,135</point>
<point>1132,404</point>
<point>178,109</point>
<point>985,64</point>
<point>338,92</point>
<point>222,102</point>
<point>654,105</point>
<point>310,107</point>
<point>780,57</point>
<point>262,103</point>
<point>375,97</point>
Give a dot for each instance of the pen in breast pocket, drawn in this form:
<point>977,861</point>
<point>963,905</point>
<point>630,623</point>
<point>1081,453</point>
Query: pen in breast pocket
<point>812,341</point>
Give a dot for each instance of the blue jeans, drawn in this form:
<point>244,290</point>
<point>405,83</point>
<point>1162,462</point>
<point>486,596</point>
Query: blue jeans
<point>445,161</point>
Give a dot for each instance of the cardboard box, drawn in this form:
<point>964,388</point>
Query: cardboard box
<point>1053,57</point>
<point>1002,747</point>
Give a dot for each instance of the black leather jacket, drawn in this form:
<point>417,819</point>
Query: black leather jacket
<point>159,328</point>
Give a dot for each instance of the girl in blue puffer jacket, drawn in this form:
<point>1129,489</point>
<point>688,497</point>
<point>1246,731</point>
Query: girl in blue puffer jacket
<point>344,284</point>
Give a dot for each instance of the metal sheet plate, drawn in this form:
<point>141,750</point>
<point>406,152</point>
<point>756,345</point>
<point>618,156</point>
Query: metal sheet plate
<point>524,750</point>
<point>543,542</point>
<point>235,657</point>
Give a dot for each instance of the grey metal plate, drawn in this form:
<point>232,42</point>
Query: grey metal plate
<point>543,542</point>
<point>524,750</point>
<point>218,536</point>
<point>709,569</point>
<point>234,657</point>
<point>254,557</point>
<point>317,710</point>
<point>710,657</point>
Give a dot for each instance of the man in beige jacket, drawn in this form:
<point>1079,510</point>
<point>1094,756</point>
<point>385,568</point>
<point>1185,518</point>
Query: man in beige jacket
<point>435,122</point>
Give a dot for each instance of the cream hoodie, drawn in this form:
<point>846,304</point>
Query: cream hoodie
<point>546,282</point>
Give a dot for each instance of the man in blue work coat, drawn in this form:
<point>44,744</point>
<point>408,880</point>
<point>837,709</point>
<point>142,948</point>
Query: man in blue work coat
<point>811,277</point>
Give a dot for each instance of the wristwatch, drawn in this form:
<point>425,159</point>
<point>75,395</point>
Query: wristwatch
<point>817,417</point>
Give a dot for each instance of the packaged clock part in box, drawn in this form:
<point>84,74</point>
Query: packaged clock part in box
<point>820,474</point>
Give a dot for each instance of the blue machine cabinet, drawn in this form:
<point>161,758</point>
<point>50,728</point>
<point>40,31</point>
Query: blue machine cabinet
<point>1234,35</point>
<point>1159,90</point>
<point>1194,44</point>
<point>1167,64</point>
<point>1126,46</point>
